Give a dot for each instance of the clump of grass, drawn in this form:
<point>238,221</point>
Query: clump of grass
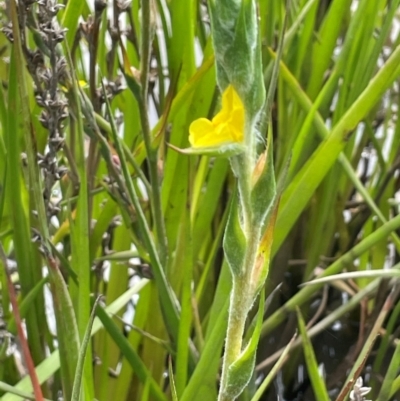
<point>110,185</point>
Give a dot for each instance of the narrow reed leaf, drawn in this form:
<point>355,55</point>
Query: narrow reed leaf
<point>26,303</point>
<point>323,48</point>
<point>272,84</point>
<point>21,394</point>
<point>146,390</point>
<point>317,381</point>
<point>368,291</point>
<point>70,18</point>
<point>119,256</point>
<point>298,193</point>
<point>207,367</point>
<point>52,363</point>
<point>392,370</point>
<point>76,388</point>
<point>207,200</point>
<point>385,342</point>
<point>185,246</point>
<point>21,334</point>
<point>385,392</point>
<point>368,345</point>
<point>273,372</point>
<point>17,193</point>
<point>380,273</point>
<point>130,354</point>
<point>80,257</point>
<point>3,163</point>
<point>172,381</point>
<point>132,75</point>
<point>168,299</point>
<point>303,295</point>
<point>314,117</point>
<point>68,337</point>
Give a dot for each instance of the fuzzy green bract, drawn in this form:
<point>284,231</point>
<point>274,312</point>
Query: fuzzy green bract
<point>264,191</point>
<point>234,240</point>
<point>237,51</point>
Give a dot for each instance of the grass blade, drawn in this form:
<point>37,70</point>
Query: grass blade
<point>76,388</point>
<point>268,379</point>
<point>299,191</point>
<point>318,384</point>
<point>130,354</point>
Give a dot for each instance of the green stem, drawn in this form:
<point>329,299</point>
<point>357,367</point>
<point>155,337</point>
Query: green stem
<point>234,336</point>
<point>242,298</point>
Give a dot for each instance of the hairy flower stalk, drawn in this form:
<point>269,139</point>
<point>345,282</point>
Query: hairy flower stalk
<point>233,133</point>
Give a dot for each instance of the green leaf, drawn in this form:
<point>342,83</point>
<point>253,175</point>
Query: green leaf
<point>184,257</point>
<point>318,384</point>
<point>278,365</point>
<point>26,304</point>
<point>300,190</point>
<point>327,40</point>
<point>19,393</point>
<point>234,239</point>
<point>344,261</point>
<point>80,257</point>
<point>237,51</point>
<point>68,339</point>
<point>208,199</point>
<point>240,372</point>
<point>202,383</point>
<point>17,194</point>
<point>264,191</point>
<point>52,363</point>
<point>167,296</point>
<point>130,354</point>
<point>261,268</point>
<point>131,75</point>
<point>172,381</point>
<point>181,49</point>
<point>388,386</point>
<point>146,390</point>
<point>71,17</point>
<point>76,389</point>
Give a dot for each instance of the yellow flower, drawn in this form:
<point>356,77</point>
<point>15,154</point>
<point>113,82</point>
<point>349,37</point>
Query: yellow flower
<point>83,84</point>
<point>225,128</point>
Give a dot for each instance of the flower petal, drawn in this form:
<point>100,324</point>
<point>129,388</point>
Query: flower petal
<point>230,101</point>
<point>198,130</point>
<point>225,128</point>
